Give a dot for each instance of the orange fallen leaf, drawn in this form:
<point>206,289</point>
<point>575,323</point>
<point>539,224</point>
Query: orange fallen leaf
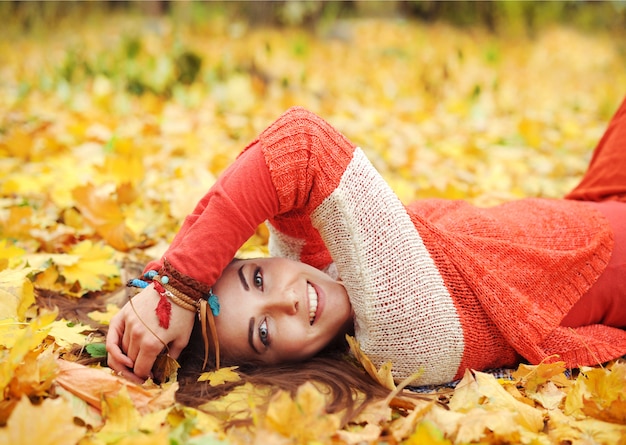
<point>104,215</point>
<point>92,384</point>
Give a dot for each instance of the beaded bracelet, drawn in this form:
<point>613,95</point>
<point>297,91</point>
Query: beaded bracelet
<point>169,293</point>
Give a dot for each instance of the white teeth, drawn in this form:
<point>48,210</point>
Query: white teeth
<point>312,302</point>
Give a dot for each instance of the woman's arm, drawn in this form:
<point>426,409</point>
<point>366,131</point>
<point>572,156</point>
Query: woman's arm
<point>288,169</point>
<point>223,220</point>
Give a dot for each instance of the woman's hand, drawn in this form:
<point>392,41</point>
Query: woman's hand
<point>132,348</point>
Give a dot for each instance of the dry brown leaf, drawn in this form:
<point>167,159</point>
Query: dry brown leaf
<point>92,384</point>
<point>382,375</point>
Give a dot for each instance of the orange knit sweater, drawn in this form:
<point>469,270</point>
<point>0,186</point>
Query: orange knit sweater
<point>437,286</point>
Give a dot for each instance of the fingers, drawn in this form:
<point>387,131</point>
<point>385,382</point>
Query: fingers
<point>176,347</point>
<point>116,359</point>
<point>129,375</point>
<point>146,356</point>
<point>135,338</point>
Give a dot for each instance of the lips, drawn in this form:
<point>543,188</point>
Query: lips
<point>313,300</point>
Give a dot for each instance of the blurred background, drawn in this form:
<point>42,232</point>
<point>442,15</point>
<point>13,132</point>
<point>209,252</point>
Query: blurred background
<point>115,117</point>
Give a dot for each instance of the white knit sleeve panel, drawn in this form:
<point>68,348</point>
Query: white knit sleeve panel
<point>403,311</point>
<point>282,245</point>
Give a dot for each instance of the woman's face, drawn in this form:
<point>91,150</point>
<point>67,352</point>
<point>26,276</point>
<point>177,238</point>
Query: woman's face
<point>275,310</point>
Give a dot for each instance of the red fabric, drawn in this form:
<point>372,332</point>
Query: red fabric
<point>522,265</point>
<point>526,263</point>
<point>224,219</point>
<point>605,303</point>
<point>519,267</point>
<point>306,157</point>
<point>605,178</point>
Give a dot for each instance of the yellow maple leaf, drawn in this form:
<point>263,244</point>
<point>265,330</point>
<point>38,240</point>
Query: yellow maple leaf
<point>221,376</point>
<point>403,426</point>
<point>95,264</point>
<point>548,395</point>
<point>602,393</point>
<point>533,376</point>
<point>15,298</point>
<point>10,252</point>
<point>565,429</point>
<point>466,394</point>
<point>49,423</point>
<point>16,292</point>
<point>34,375</point>
<point>48,279</point>
<point>24,340</point>
<point>120,414</point>
<point>303,418</point>
<point>123,169</point>
<point>427,433</point>
<point>478,424</point>
<point>67,333</point>
<point>104,317</point>
<point>526,416</point>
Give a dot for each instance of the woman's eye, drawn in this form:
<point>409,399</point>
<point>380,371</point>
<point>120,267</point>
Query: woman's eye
<point>264,333</point>
<point>257,278</point>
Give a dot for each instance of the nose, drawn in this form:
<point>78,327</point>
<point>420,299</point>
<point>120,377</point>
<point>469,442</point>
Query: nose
<point>286,302</point>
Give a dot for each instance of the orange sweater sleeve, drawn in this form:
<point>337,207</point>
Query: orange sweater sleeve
<point>281,176</point>
<point>241,199</point>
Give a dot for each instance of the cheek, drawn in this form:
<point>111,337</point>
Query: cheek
<point>233,342</point>
<point>296,343</point>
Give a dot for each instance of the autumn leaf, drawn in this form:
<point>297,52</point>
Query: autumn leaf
<point>427,433</point>
<point>120,414</point>
<point>34,376</point>
<point>51,423</point>
<point>165,369</point>
<point>382,375</point>
<point>600,393</point>
<point>104,317</point>
<point>302,418</point>
<point>95,265</point>
<point>16,295</point>
<point>68,333</point>
<point>532,377</point>
<point>565,429</point>
<point>107,140</point>
<point>22,342</point>
<point>11,253</point>
<point>91,384</point>
<point>221,376</point>
<point>103,213</point>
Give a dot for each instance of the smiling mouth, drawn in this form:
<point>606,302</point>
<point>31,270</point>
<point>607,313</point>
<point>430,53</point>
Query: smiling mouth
<point>312,294</point>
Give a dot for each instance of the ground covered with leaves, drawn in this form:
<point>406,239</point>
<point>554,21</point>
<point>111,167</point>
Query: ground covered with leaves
<point>113,125</point>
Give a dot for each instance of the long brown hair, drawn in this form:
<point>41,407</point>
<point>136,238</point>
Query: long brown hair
<point>349,388</point>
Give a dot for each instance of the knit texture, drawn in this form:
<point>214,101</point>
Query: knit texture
<point>439,286</point>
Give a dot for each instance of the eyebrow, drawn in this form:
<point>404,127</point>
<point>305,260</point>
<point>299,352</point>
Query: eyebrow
<point>251,335</point>
<point>244,283</point>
